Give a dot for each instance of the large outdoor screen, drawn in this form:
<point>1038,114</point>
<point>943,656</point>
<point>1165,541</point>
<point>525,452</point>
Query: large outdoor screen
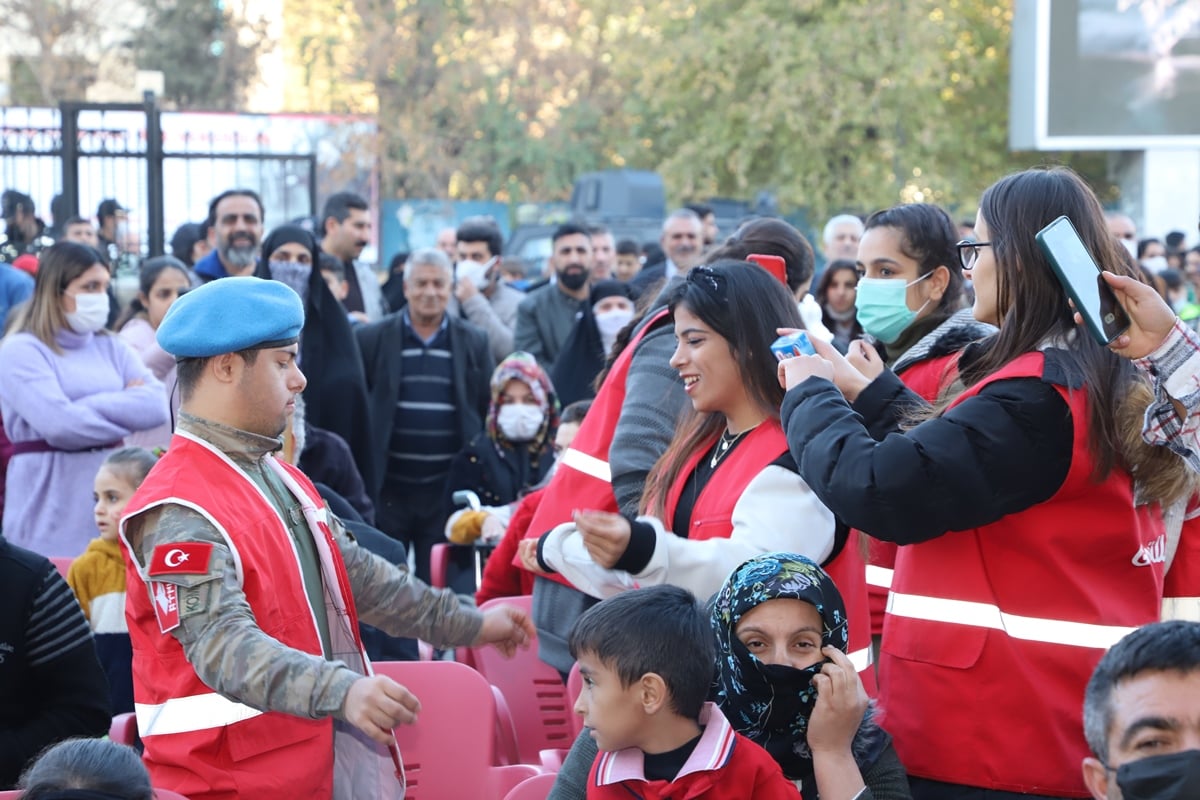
<point>1105,74</point>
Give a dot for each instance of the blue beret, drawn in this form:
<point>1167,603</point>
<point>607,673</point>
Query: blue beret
<point>231,314</point>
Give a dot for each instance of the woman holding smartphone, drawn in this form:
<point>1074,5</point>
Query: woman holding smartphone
<point>1027,549</point>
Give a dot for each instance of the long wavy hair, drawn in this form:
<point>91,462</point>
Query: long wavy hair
<point>743,304</point>
<point>1032,309</point>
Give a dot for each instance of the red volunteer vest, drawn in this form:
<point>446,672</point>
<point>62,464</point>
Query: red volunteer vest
<point>712,518</point>
<point>582,479</point>
<point>1181,587</point>
<point>928,379</point>
<point>991,634</point>
<point>197,742</point>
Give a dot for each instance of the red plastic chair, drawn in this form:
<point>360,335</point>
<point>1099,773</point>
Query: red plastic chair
<point>536,788</point>
<point>506,732</point>
<point>534,691</point>
<point>124,729</point>
<point>574,688</point>
<point>439,561</point>
<point>450,752</point>
<point>62,564</point>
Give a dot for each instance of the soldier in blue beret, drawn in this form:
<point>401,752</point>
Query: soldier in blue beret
<point>242,588</point>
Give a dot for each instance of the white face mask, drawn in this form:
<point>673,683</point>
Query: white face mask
<point>520,422</point>
<point>474,272</point>
<point>1155,264</point>
<point>610,323</point>
<point>90,314</point>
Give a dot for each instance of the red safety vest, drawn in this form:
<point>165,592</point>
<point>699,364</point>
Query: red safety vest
<point>1181,587</point>
<point>197,742</point>
<point>582,479</point>
<point>991,634</point>
<point>712,518</point>
<point>927,378</point>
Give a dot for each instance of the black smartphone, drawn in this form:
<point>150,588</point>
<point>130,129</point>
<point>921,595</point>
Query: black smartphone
<point>1077,272</point>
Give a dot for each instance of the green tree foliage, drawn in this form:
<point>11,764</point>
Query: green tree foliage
<point>830,104</point>
<point>206,52</point>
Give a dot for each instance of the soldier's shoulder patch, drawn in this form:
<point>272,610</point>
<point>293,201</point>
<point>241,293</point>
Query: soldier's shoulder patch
<point>181,558</point>
<point>166,605</point>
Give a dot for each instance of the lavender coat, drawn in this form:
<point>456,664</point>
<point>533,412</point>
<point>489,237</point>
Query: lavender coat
<point>74,400</point>
<point>138,334</point>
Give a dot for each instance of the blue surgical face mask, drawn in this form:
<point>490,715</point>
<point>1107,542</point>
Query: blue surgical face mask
<point>883,307</point>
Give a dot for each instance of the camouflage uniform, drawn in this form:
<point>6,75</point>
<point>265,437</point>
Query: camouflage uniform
<point>217,629</point>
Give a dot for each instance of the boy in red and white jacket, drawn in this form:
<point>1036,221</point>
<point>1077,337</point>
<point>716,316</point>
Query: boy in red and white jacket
<point>646,657</point>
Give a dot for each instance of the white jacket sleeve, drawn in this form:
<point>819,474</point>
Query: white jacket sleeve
<point>777,512</point>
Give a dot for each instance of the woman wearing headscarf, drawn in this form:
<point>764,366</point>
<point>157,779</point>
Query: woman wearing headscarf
<point>516,449</point>
<point>783,680</point>
<point>336,397</point>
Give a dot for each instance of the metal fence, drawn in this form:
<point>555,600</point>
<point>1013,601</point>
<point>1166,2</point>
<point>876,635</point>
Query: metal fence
<point>71,158</point>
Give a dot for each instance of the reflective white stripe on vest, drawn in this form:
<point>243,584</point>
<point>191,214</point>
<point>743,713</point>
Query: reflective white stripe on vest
<point>879,576</point>
<point>985,615</point>
<point>861,659</point>
<point>588,465</point>
<point>196,713</point>
<point>1187,608</point>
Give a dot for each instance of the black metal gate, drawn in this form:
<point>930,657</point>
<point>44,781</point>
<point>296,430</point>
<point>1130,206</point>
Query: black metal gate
<point>83,152</point>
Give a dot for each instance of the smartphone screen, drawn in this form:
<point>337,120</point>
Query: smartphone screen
<point>1079,275</point>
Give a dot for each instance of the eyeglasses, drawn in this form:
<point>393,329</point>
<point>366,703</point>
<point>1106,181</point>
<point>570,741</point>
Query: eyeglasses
<point>968,252</point>
<point>708,279</point>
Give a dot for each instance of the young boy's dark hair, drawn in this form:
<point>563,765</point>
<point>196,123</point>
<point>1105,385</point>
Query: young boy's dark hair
<point>659,629</point>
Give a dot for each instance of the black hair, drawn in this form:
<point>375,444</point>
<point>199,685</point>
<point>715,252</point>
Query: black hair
<point>1171,278</point>
<point>628,247</point>
<point>574,413</point>
<point>1175,240</point>
<point>328,263</point>
<point>1144,244</point>
<point>1172,646</point>
<point>148,273</point>
<point>743,304</point>
<point>189,370</point>
<point>397,263</point>
<point>659,629</point>
<point>771,237</point>
<point>98,765</point>
<point>569,229</point>
<point>13,201</point>
<point>339,206</point>
<point>133,463</point>
<point>481,230</point>
<point>927,236</point>
<point>216,201</point>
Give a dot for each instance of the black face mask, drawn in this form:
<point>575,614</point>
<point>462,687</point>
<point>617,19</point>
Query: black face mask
<point>1172,777</point>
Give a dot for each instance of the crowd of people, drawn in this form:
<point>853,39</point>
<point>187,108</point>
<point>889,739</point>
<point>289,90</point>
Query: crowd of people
<point>895,568</point>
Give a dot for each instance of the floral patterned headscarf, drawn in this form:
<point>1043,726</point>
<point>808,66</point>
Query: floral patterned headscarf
<point>771,704</point>
<point>523,367</point>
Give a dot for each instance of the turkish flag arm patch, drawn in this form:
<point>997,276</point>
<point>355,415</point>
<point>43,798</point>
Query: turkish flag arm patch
<point>181,558</point>
<point>166,605</point>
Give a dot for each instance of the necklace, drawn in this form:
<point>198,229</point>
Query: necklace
<point>724,446</point>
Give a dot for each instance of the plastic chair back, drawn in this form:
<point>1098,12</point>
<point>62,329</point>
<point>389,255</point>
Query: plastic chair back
<point>439,563</point>
<point>536,788</point>
<point>534,690</point>
<point>450,752</point>
<point>123,729</point>
<point>62,564</point>
<point>574,688</point>
<point>167,794</point>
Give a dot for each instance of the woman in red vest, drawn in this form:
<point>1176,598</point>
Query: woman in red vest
<point>726,489</point>
<point>913,307</point>
<point>1025,552</point>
